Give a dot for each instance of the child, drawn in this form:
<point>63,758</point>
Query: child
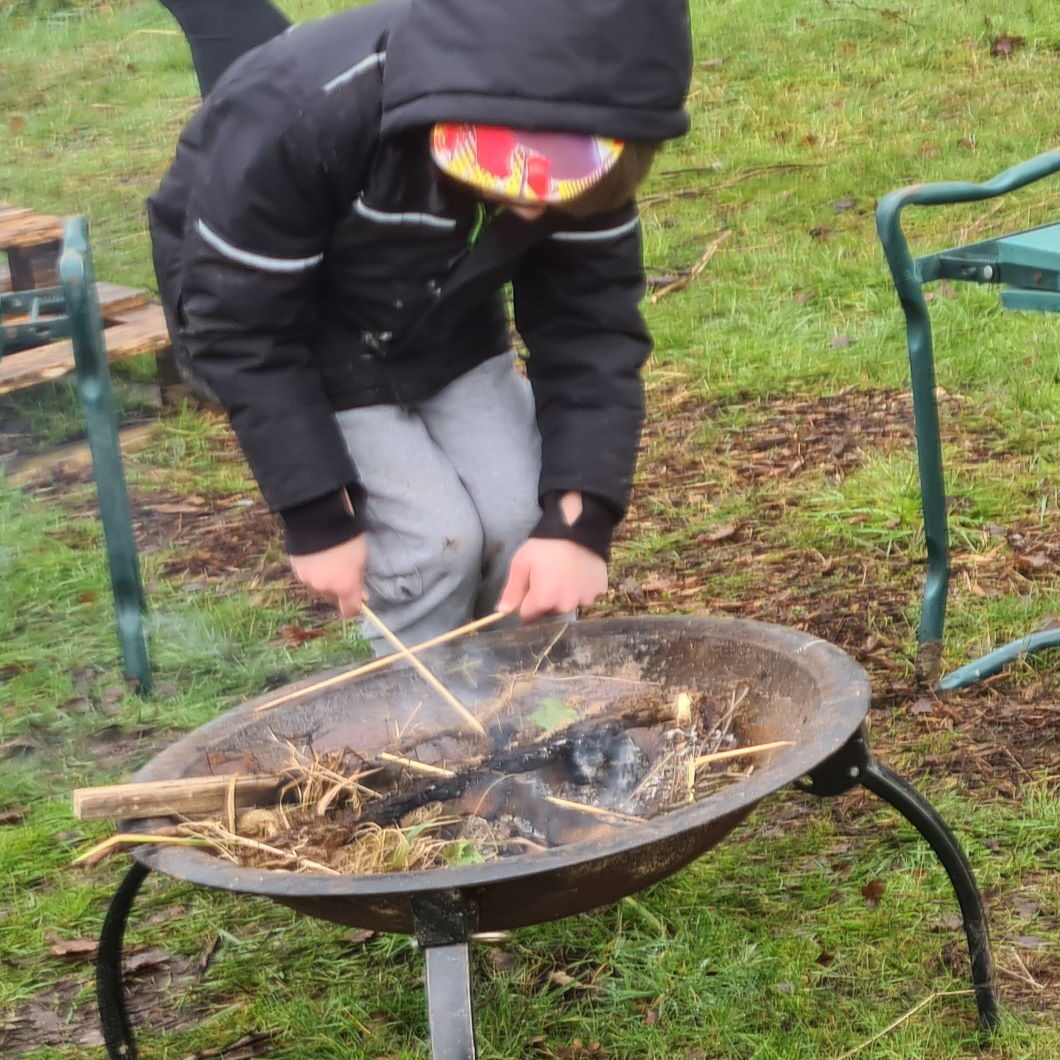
<point>333,239</point>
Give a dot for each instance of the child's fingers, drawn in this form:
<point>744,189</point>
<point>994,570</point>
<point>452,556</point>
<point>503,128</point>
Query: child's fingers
<point>517,586</point>
<point>350,605</point>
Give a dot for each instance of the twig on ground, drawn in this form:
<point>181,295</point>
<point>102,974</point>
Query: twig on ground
<point>901,1019</point>
<point>747,174</point>
<point>704,260</point>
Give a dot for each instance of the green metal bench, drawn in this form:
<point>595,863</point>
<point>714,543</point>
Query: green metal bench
<point>72,311</point>
<point>1027,267</point>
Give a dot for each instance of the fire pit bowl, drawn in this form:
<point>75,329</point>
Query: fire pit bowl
<point>793,687</point>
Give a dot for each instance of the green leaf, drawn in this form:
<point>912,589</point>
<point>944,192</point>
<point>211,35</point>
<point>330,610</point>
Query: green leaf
<point>553,713</point>
<point>462,852</point>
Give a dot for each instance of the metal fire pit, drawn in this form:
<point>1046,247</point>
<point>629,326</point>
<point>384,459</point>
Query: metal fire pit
<point>800,689</point>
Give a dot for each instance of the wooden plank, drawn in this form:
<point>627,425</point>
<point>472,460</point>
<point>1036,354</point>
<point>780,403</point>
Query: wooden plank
<point>24,229</point>
<point>140,331</point>
<point>115,300</point>
<point>73,456</point>
<point>8,212</point>
<point>161,798</point>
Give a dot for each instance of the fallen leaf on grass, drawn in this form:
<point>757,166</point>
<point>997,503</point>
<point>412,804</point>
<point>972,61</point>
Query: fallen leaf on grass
<point>16,123</point>
<point>72,949</point>
<point>1030,942</point>
<point>923,706</point>
<point>841,342</point>
<point>722,533</point>
<point>502,961</point>
<point>1026,908</point>
<point>872,892</point>
<point>179,508</point>
<point>256,1043</point>
<point>147,961</point>
<point>43,1020</point>
<point>579,1051</point>
<point>359,936</point>
<point>1005,44</point>
<point>656,583</point>
<point>295,636</point>
<point>209,951</point>
<point>950,922</point>
<point>1031,562</point>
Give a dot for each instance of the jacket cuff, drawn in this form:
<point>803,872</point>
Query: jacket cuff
<point>592,529</point>
<point>323,522</point>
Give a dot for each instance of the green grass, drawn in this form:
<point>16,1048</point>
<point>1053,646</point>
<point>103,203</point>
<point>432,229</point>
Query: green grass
<point>768,948</point>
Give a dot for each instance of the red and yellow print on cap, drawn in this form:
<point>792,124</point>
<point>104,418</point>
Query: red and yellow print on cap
<point>523,166</point>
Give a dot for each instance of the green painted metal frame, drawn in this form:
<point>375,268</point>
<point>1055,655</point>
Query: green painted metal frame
<point>101,427</point>
<point>1017,260</point>
<point>54,324</point>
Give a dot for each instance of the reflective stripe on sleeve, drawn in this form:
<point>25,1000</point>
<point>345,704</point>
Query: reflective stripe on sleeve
<point>256,261</point>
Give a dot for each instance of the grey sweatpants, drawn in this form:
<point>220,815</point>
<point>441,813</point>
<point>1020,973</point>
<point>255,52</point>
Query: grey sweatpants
<point>452,489</point>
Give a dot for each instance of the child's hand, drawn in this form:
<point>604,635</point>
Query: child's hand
<point>336,572</point>
<point>552,576</point>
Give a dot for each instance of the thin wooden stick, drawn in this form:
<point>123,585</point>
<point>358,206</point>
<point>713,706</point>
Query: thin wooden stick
<point>124,839</point>
<point>683,281</point>
<point>379,664</point>
<point>230,803</point>
<point>596,811</point>
<point>901,1019</point>
<point>423,671</point>
<point>414,766</point>
<point>739,752</point>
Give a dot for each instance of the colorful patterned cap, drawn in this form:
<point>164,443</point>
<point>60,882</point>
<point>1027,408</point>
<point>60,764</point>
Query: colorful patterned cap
<point>523,166</point>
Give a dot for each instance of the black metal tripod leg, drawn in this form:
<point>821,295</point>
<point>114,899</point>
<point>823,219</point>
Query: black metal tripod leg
<point>110,985</point>
<point>922,815</point>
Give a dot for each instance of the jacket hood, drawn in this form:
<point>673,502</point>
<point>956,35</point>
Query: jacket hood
<point>617,68</point>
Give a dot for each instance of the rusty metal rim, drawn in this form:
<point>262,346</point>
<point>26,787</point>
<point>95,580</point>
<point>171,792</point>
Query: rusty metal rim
<point>844,702</point>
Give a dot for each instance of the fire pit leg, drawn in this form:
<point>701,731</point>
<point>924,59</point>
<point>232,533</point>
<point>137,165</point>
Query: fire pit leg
<point>856,764</point>
<point>444,924</point>
<point>110,986</point>
<point>925,818</point>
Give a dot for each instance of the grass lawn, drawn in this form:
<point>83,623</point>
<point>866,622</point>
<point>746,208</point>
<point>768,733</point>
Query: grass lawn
<point>778,483</point>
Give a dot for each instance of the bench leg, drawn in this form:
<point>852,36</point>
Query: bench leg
<point>93,384</point>
<point>933,493</point>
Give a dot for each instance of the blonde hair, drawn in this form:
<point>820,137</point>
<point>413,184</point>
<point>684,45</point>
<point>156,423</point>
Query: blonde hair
<point>620,184</point>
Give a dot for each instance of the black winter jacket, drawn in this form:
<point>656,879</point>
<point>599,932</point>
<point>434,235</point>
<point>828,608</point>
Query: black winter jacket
<point>312,259</point>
